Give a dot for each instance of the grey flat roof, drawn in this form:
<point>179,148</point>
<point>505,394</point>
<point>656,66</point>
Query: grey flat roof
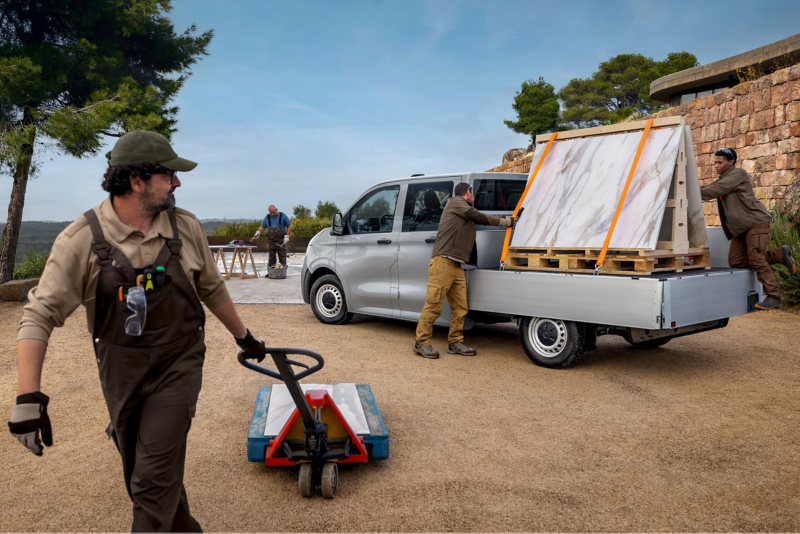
<point>718,71</point>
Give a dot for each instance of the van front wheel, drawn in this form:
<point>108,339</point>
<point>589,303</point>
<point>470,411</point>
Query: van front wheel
<point>328,302</point>
<point>552,343</point>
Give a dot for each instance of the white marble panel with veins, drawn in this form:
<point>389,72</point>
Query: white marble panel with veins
<point>575,194</point>
<point>345,395</point>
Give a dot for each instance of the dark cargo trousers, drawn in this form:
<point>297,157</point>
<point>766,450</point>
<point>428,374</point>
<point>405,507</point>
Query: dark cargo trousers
<point>750,250</point>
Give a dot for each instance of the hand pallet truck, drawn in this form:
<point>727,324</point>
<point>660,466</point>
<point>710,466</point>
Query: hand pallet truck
<point>316,435</point>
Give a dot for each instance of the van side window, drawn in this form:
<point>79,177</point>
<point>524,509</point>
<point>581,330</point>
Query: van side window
<point>424,205</point>
<point>375,212</point>
<point>498,194</point>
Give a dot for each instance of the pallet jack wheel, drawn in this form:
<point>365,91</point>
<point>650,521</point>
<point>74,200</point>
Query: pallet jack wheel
<point>330,479</point>
<point>306,480</point>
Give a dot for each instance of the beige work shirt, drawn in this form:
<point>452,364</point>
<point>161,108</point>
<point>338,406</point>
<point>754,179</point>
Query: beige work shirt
<point>70,275</point>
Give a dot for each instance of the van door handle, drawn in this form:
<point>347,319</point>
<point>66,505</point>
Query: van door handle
<point>430,240</point>
<point>384,241</point>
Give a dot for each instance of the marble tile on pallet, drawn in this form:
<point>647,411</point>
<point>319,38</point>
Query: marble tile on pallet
<point>345,395</point>
<point>572,201</point>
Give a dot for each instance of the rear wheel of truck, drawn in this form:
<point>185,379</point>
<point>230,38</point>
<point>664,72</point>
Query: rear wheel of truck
<point>552,343</point>
<point>328,302</point>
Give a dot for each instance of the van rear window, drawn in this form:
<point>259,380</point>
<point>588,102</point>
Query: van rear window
<point>498,194</point>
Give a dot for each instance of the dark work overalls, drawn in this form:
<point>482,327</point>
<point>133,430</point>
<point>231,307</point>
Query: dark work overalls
<point>275,241</point>
<point>150,382</point>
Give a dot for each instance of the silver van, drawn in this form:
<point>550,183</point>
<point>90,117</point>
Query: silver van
<point>376,262</point>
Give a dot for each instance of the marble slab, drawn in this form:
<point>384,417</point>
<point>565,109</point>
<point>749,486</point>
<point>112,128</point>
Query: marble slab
<point>345,396</point>
<point>572,201</point>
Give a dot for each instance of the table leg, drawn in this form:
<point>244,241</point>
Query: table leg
<point>252,262</point>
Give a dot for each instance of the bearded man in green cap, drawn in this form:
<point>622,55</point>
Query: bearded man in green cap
<point>148,342</point>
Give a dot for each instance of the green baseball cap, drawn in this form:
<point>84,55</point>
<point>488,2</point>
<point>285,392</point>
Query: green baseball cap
<point>140,146</point>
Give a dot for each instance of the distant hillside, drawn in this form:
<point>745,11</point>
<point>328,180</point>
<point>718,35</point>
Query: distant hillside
<point>40,236</point>
<point>37,235</point>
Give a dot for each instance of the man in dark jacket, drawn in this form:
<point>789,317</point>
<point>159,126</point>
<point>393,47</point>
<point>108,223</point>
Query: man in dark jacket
<point>745,222</point>
<point>455,246</point>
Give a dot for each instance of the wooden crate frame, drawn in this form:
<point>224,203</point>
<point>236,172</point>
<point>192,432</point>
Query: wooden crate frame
<point>673,250</point>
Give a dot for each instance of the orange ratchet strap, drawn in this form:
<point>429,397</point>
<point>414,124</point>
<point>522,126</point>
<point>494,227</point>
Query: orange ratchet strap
<point>522,198</point>
<point>602,257</point>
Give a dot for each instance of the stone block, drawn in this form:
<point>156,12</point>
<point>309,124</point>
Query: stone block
<point>794,129</point>
<point>739,141</point>
<point>744,124</point>
<point>788,146</point>
<point>17,290</point>
<point>765,82</point>
<point>703,148</point>
<point>795,90</point>
<point>741,105</point>
<point>792,112</point>
<point>712,115</point>
<point>775,94</point>
<point>769,164</point>
<point>775,192</point>
<point>712,132</point>
<point>718,99</point>
<point>780,115</point>
<point>786,177</point>
<point>762,136</point>
<point>761,193</point>
<point>780,76</point>
<point>709,102</point>
<point>794,72</point>
<point>785,95</point>
<point>698,118</point>
<point>782,161</point>
<point>779,133</point>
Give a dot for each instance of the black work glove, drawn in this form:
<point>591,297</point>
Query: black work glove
<point>252,347</point>
<point>516,219</point>
<point>28,417</point>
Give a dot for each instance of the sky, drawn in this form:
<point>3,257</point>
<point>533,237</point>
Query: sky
<point>300,102</point>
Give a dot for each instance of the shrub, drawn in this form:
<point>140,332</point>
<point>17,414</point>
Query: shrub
<point>781,233</point>
<point>301,212</point>
<point>237,229</point>
<point>326,210</point>
<point>309,227</point>
<point>31,267</point>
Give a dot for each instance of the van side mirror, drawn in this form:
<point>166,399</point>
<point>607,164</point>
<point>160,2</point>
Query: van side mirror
<point>338,225</point>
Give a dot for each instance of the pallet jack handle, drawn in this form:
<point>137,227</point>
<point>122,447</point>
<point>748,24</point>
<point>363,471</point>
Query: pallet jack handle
<point>287,374</point>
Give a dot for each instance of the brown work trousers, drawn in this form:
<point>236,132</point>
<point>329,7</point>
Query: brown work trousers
<point>750,250</point>
<point>445,278</point>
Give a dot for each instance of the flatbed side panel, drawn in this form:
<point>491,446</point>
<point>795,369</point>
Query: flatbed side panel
<point>697,299</point>
<point>608,300</point>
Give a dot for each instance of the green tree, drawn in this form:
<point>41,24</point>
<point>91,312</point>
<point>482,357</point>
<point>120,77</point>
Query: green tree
<point>326,210</point>
<point>536,105</point>
<point>76,72</point>
<point>619,89</point>
<point>301,212</point>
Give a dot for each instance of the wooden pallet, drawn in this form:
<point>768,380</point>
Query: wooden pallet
<point>625,262</point>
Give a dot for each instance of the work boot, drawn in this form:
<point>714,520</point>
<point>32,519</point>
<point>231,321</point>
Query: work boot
<point>459,347</point>
<point>426,351</point>
<point>770,303</point>
<point>788,260</point>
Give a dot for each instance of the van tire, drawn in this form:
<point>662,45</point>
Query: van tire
<point>552,343</point>
<point>328,301</point>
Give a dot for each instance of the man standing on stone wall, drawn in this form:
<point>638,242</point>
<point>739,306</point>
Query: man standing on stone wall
<point>278,228</point>
<point>745,222</point>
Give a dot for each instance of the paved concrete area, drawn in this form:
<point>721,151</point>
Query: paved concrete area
<point>263,290</point>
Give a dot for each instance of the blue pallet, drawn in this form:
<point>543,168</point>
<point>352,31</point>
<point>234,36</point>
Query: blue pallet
<point>377,440</point>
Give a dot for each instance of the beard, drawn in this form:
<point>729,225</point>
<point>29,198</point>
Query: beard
<point>153,204</point>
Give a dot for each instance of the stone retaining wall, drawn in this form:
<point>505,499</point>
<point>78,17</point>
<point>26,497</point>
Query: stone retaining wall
<point>759,119</point>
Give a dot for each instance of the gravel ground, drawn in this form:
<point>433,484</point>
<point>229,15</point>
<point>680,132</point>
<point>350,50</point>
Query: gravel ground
<point>701,434</point>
